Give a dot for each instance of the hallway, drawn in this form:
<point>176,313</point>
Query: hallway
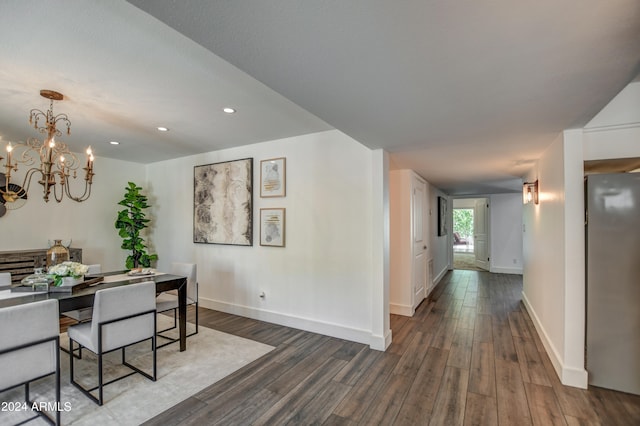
<point>470,355</point>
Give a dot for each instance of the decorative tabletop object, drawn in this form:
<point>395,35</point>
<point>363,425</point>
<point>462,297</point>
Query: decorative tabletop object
<point>67,273</point>
<point>38,281</point>
<point>57,253</point>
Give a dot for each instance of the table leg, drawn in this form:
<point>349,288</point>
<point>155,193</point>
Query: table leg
<point>182,314</point>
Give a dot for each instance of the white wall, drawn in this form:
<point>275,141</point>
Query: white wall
<point>401,233</point>
<point>380,251</point>
<point>554,245</point>
<point>506,233</point>
<point>440,245</point>
<point>322,280</point>
<point>89,224</point>
<point>544,253</point>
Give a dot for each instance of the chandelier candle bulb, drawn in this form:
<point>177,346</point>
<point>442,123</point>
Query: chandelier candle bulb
<point>89,158</point>
<point>9,150</point>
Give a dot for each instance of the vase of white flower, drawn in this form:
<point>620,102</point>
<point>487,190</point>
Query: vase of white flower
<point>67,273</point>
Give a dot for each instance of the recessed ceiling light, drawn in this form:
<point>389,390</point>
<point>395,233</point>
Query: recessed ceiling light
<point>229,110</point>
<point>163,129</point>
<point>114,143</point>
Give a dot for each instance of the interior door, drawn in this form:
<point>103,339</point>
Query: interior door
<point>419,207</point>
<point>481,232</point>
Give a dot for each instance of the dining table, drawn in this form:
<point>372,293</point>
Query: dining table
<point>83,298</point>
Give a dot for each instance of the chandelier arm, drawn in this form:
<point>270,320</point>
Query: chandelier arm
<point>26,183</point>
<point>55,186</point>
<point>85,195</point>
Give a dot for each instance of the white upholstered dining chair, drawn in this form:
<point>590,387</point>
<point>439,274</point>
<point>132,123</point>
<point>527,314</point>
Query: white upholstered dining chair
<point>84,314</point>
<point>30,348</point>
<point>169,301</point>
<point>5,279</point>
<point>122,316</point>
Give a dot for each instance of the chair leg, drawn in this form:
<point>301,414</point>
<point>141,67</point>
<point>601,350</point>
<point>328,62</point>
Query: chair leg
<point>58,407</point>
<point>175,322</point>
<point>40,413</point>
<point>196,318</point>
<point>100,379</point>
<point>71,359</point>
<point>175,318</point>
<point>155,357</point>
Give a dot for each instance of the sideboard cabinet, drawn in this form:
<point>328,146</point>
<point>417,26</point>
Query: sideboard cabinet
<point>21,263</point>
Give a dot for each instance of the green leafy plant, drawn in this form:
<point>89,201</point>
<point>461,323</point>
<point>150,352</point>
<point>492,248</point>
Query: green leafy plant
<point>130,222</point>
<point>463,222</point>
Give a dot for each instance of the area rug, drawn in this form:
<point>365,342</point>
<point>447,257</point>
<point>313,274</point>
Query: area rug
<point>465,261</point>
<point>210,356</point>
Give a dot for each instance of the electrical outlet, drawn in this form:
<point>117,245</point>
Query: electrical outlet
<point>515,261</point>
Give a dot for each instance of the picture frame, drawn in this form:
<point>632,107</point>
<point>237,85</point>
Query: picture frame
<point>442,216</point>
<point>223,203</point>
<point>273,177</point>
<point>272,227</point>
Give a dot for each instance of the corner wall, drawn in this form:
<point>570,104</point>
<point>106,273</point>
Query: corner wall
<point>322,280</point>
<point>554,244</point>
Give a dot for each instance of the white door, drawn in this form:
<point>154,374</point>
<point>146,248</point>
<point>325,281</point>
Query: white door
<point>419,237</point>
<point>481,232</point>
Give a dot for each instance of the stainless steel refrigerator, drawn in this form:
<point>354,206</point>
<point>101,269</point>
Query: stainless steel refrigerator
<point>613,281</point>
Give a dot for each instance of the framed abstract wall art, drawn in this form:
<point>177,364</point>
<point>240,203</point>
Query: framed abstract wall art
<point>442,216</point>
<point>272,227</point>
<point>223,203</point>
<point>273,177</point>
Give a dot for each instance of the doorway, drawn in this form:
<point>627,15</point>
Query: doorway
<point>470,234</point>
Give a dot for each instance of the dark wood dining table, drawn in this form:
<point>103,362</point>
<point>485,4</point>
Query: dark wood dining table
<point>84,298</point>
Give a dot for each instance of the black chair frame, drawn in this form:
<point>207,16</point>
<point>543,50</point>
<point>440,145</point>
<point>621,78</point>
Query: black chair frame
<point>175,325</point>
<point>100,400</point>
<point>40,413</point>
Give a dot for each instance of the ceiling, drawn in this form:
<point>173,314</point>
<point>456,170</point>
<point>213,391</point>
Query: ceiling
<point>468,93</point>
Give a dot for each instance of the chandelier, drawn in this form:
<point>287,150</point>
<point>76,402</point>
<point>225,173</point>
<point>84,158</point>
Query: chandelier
<point>50,159</point>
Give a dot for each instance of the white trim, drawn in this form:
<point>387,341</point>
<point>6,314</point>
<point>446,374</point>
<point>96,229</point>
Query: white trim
<point>611,127</point>
<point>314,326</point>
<point>379,343</point>
<point>498,270</point>
<point>568,376</point>
<point>440,276</point>
<point>576,377</point>
<point>398,309</point>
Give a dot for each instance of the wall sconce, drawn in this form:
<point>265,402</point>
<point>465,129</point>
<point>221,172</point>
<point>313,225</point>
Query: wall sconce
<point>530,192</point>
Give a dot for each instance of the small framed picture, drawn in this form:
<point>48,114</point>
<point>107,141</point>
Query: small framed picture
<point>273,177</point>
<point>272,226</point>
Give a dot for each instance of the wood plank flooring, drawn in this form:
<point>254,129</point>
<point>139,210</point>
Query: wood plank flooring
<point>469,356</point>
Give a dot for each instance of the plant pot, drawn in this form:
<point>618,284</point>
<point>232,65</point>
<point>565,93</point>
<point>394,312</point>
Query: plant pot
<point>67,281</point>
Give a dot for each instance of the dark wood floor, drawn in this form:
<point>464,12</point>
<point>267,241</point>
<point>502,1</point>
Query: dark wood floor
<point>469,356</point>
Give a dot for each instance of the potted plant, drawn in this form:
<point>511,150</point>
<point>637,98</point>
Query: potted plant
<point>130,222</point>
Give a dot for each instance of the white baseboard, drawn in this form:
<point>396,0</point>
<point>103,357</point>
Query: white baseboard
<point>404,310</point>
<point>380,343</point>
<point>314,326</point>
<point>576,377</point>
<point>441,275</point>
<point>500,270</point>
